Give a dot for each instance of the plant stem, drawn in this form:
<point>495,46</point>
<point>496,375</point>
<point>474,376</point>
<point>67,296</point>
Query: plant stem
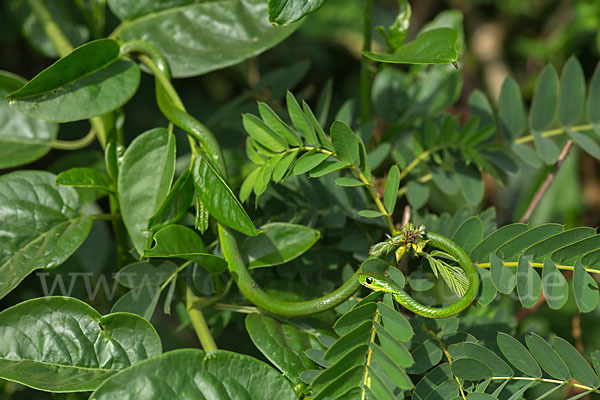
<point>553,132</point>
<point>198,321</point>
<point>60,41</point>
<point>365,63</point>
<point>105,217</point>
<point>527,378</point>
<point>535,201</point>
<point>367,380</point>
<point>539,265</point>
<point>75,144</point>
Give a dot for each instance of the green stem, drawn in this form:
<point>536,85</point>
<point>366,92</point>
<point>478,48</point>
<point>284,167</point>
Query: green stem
<point>556,381</point>
<point>105,217</point>
<point>252,291</point>
<point>553,132</point>
<point>198,321</point>
<point>123,256</point>
<point>365,64</point>
<point>539,265</point>
<point>60,41</point>
<point>75,144</point>
<point>423,179</point>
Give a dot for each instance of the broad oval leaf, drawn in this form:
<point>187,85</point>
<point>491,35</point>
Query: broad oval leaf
<point>547,357</point>
<point>504,278</point>
<point>529,283</point>
<point>284,12</point>
<point>545,100</point>
<point>91,80</point>
<point>69,345</point>
<point>572,93</point>
<point>22,139</point>
<point>518,355</point>
<point>585,289</point>
<point>578,366</point>
<point>594,99</point>
<point>556,289</point>
<point>41,225</point>
<point>435,46</point>
<point>141,300</point>
<point>489,358</point>
<point>281,242</point>
<point>417,194</point>
<point>84,178</point>
<point>468,234</point>
<point>144,180</point>
<point>512,112</point>
<point>219,375</point>
<point>218,198</point>
<point>198,37</point>
<point>178,241</point>
<point>344,141</point>
<point>282,344</point>
<point>433,379</point>
<point>470,369</point>
<point>426,356</point>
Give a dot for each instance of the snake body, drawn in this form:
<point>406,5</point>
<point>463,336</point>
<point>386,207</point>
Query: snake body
<point>379,282</point>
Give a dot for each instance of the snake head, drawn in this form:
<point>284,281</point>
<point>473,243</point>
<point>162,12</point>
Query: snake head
<point>378,282</point>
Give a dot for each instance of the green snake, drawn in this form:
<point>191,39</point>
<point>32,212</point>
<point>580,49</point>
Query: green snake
<point>379,282</point>
<point>172,107</point>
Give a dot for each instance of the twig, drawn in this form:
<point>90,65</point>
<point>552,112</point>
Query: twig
<point>547,182</point>
<point>406,215</point>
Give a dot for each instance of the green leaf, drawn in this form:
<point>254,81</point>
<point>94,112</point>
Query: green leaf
<point>309,161</point>
<point>573,252</point>
<point>417,194</point>
<point>470,369</point>
<point>344,141</point>
<point>433,379</point>
<point>276,124</point>
<point>347,181</point>
<point>141,301</point>
<point>357,337</point>
<point>527,154</point>
<point>543,249</point>
<point>529,283</point>
<point>578,366</point>
<point>326,168</point>
<point>281,242</point>
<point>572,93</point>
<point>468,234</point>
<point>479,105</point>
<point>393,348</point>
<point>545,100</point>
<point>282,344</point>
<point>470,182</point>
<point>488,246</point>
<point>178,241</point>
<point>585,289</point>
<point>594,99</point>
<point>556,289</point>
<point>445,181</point>
<point>394,372</point>
<point>248,184</point>
<point>86,348</point>
<point>379,388</point>
<point>84,178</point>
<point>263,134</point>
<point>395,323</point>
<point>546,148</point>
<point>280,170</point>
<point>547,357</point>
<point>370,214</point>
<point>503,277</point>
<point>91,80</point>
<point>144,273</point>
<point>176,204</point>
<point>22,139</point>
<point>323,139</point>
<point>488,290</point>
<point>218,198</point>
<point>436,46</point>
<point>151,154</point>
<point>512,112</point>
<point>518,355</point>
<point>214,34</point>
<point>300,121</point>
<point>220,375</point>
<point>511,250</point>
<point>284,12</point>
<point>426,356</point>
<point>585,142</point>
<point>488,358</point>
<point>41,225</point>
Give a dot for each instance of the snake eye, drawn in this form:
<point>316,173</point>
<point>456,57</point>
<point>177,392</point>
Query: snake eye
<point>369,280</point>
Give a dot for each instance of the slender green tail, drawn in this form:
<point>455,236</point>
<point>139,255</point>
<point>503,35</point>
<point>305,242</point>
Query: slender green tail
<point>379,282</point>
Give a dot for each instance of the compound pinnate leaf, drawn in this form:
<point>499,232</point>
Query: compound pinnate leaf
<point>219,375</point>
<point>435,46</point>
<point>198,37</point>
<point>487,357</point>
<point>91,80</point>
<point>22,139</point>
<point>494,240</point>
<point>151,154</point>
<point>470,369</point>
<point>518,355</point>
<point>281,242</point>
<point>264,135</point>
<point>219,199</point>
<point>578,366</point>
<point>513,248</point>
<point>41,225</point>
<point>544,248</point>
<point>547,357</point>
<point>77,348</point>
<point>178,241</point>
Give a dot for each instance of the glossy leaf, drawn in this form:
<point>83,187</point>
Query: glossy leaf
<point>556,290</point>
<point>282,344</point>
<point>22,139</point>
<point>344,141</point>
<point>84,178</point>
<point>529,283</point>
<point>150,154</point>
<point>578,366</point>
<point>436,46</point>
<point>585,289</point>
<point>41,225</point>
<point>518,355</point>
<point>512,112</point>
<point>545,100</point>
<point>220,201</point>
<point>176,204</point>
<point>572,93</point>
<point>220,375</point>
<point>281,242</point>
<point>264,135</point>
<point>141,300</point>
<point>91,80</point>
<point>547,357</point>
<point>283,12</point>
<point>76,348</point>
<point>178,241</point>
<point>198,37</point>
